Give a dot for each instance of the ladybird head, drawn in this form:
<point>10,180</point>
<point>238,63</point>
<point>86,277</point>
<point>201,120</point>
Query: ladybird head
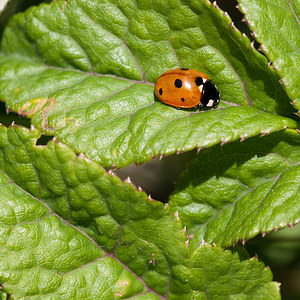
<point>210,96</point>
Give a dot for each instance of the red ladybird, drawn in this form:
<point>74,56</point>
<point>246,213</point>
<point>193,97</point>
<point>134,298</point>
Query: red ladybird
<point>186,88</point>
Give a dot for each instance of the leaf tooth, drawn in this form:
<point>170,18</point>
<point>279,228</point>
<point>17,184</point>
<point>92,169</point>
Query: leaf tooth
<point>233,26</point>
<point>203,242</point>
<point>244,241</point>
<point>32,128</point>
<point>187,243</point>
<point>278,284</point>
<point>114,166</point>
<point>139,189</point>
<point>166,205</point>
<point>263,234</point>
<point>271,65</point>
<point>179,152</point>
<point>176,215</point>
<point>260,48</point>
<point>242,138</point>
<point>190,236</point>
<point>215,4</point>
<point>111,172</point>
<point>223,142</point>
<point>291,226</point>
<point>128,180</point>
<point>252,44</point>
<point>13,124</point>
<point>150,198</point>
<point>198,149</point>
<point>184,229</point>
<point>263,133</point>
<point>55,140</point>
<point>82,155</point>
<point>160,156</point>
<point>281,82</point>
<point>227,15</point>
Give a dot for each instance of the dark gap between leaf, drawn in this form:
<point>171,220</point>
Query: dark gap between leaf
<point>157,177</point>
<point>43,140</point>
<point>6,118</point>
<point>236,16</point>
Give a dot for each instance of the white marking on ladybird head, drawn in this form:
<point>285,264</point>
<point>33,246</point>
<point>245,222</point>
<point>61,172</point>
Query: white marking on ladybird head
<point>204,80</point>
<point>210,103</point>
<point>187,85</point>
<point>201,88</point>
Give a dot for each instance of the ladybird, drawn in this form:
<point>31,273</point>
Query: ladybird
<point>186,88</point>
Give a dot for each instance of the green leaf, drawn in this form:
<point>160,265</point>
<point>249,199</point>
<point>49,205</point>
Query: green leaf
<point>84,72</point>
<point>276,27</point>
<point>138,231</point>
<point>236,191</point>
<point>225,277</point>
<point>71,231</point>
<point>41,254</point>
<point>3,296</point>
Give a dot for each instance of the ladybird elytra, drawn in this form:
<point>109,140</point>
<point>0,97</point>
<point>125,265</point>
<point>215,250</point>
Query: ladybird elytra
<point>186,88</point>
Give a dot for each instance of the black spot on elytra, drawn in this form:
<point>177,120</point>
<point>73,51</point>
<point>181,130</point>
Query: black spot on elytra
<point>178,83</point>
<point>160,91</point>
<point>199,81</point>
<point>182,99</point>
<point>184,69</point>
